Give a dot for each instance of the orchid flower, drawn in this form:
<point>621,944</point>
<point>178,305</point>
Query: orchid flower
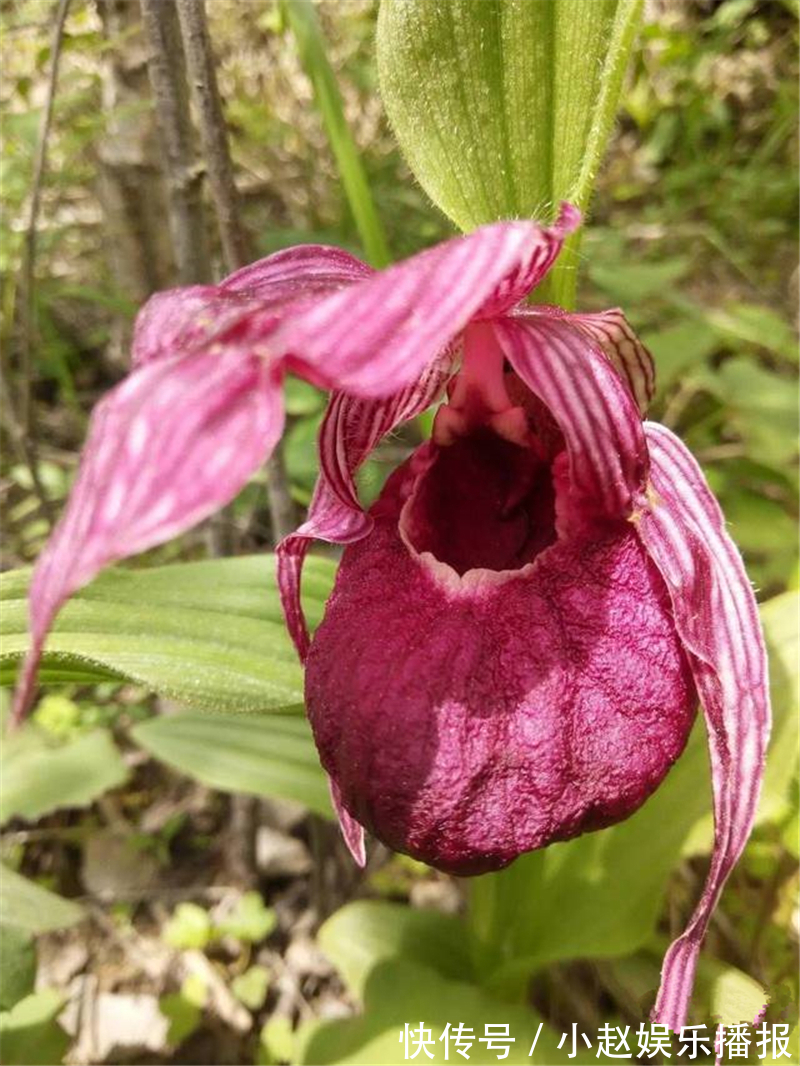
<point>523,623</point>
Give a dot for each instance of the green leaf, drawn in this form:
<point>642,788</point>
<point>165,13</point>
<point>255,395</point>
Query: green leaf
<point>37,777</point>
<point>184,1017</point>
<point>611,883</point>
<point>18,972</point>
<point>752,324</point>
<point>761,407</point>
<point>30,907</point>
<point>276,1042</point>
<point>362,934</point>
<point>263,755</point>
<point>250,920</point>
<point>678,348</point>
<point>29,1033</point>
<point>399,991</point>
<point>188,928</point>
<point>504,108</point>
<point>251,987</point>
<point>633,282</point>
<point>209,634</point>
<point>311,45</point>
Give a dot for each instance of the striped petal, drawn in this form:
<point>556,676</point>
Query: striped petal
<point>611,331</point>
<point>173,322</point>
<point>601,426</point>
<point>517,284</point>
<point>634,363</point>
<point>170,445</point>
<point>379,335</point>
<point>717,619</point>
<point>350,430</point>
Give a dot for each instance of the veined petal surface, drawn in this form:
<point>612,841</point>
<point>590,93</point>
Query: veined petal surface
<point>170,445</point>
<point>173,322</point>
<point>717,620</point>
<point>379,335</point>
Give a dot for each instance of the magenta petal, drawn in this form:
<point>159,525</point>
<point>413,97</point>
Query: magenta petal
<point>297,273</point>
<point>379,335</point>
<point>352,831</point>
<point>717,619</point>
<point>350,430</point>
<point>173,322</point>
<point>532,270</point>
<point>613,333</point>
<point>594,410</point>
<point>169,446</point>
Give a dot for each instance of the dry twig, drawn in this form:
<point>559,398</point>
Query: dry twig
<point>166,68</point>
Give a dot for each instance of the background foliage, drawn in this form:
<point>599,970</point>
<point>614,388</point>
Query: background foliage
<point>166,871</point>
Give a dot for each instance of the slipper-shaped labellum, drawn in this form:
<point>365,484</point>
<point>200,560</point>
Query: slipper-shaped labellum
<point>522,625</point>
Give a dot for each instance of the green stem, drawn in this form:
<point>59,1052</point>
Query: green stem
<point>304,24</point>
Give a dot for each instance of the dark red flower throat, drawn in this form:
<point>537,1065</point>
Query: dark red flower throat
<point>498,666</point>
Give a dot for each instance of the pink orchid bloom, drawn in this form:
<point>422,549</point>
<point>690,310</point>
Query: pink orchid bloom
<point>523,623</point>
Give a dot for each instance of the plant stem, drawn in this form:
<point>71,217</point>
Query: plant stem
<point>311,47</point>
<point>203,79</point>
<point>29,254</point>
<point>166,68</point>
<point>235,242</point>
<point>22,445</point>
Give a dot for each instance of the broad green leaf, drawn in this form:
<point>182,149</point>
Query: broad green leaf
<point>761,406</point>
<point>504,107</point>
<point>678,348</point>
<point>631,283</point>
<point>398,991</point>
<point>311,46</point>
<point>362,934</point>
<point>611,883</point>
<point>29,1033</point>
<point>37,776</point>
<point>18,972</point>
<point>29,907</point>
<point>752,324</point>
<point>209,634</point>
<point>265,755</point>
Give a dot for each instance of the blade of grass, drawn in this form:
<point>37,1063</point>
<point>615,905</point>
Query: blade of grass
<point>302,19</point>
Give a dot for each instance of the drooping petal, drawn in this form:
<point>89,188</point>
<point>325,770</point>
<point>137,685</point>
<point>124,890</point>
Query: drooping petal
<point>172,322</point>
<point>378,336</point>
<point>613,333</point>
<point>352,831</point>
<point>594,410</point>
<point>633,361</point>
<point>351,428</point>
<point>170,445</point>
<point>717,620</point>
